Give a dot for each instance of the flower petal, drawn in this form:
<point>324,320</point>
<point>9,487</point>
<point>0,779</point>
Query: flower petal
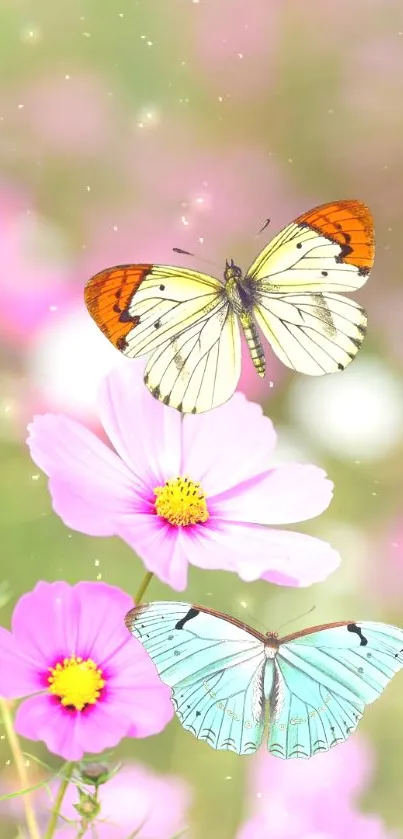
<point>159,546</point>
<point>228,445</point>
<point>45,623</point>
<point>19,671</point>
<point>43,718</point>
<point>145,433</point>
<point>254,552</point>
<point>286,494</point>
<point>101,727</point>
<point>99,611</point>
<point>89,483</point>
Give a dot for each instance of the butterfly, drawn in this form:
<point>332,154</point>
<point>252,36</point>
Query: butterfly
<point>226,677</point>
<point>191,323</point>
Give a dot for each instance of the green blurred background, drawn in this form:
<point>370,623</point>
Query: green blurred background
<point>127,128</point>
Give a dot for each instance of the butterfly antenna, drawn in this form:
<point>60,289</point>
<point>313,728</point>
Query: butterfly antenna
<point>255,620</point>
<point>266,224</point>
<point>196,256</point>
<point>297,618</point>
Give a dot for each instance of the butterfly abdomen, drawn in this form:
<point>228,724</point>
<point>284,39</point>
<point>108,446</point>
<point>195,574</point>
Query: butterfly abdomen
<point>253,341</point>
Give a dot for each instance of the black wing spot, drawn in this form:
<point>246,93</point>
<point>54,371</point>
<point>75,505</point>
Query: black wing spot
<point>121,344</point>
<point>352,627</point>
<point>177,652</point>
<point>299,244</point>
<point>397,654</point>
<point>360,669</point>
<point>198,713</point>
<point>157,324</point>
<point>340,366</point>
<point>363,271</point>
<point>162,288</point>
<point>192,613</point>
<point>324,273</point>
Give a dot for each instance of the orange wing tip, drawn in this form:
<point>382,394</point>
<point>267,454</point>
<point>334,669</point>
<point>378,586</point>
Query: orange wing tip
<point>108,296</point>
<point>350,224</point>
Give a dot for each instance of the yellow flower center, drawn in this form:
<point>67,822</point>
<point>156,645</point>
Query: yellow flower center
<point>76,682</point>
<point>181,502</point>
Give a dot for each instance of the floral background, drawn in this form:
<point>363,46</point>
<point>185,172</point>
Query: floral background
<point>126,129</point>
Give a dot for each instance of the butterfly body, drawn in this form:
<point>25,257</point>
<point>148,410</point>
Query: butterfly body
<point>190,323</point>
<point>241,297</point>
<point>227,677</point>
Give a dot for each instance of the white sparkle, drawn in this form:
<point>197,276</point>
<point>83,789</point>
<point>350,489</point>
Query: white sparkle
<point>96,561</point>
<point>35,477</point>
<point>184,221</point>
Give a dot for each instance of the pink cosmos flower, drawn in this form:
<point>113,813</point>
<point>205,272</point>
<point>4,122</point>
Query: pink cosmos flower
<point>136,798</point>
<point>180,490</point>
<point>89,684</point>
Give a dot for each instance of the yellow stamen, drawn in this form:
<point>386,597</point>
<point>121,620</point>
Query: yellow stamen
<point>181,502</point>
<point>77,683</point>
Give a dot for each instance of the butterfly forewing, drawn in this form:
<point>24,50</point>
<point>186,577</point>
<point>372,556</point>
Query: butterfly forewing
<point>215,668</point>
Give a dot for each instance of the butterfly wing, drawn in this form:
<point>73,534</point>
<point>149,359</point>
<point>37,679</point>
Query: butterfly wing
<point>295,283</point>
<point>183,318</point>
<point>214,667</point>
<point>323,681</point>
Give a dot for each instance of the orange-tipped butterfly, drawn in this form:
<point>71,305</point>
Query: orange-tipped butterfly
<point>190,322</point>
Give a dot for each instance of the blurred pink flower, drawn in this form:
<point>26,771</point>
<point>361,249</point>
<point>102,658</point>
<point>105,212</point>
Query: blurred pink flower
<point>196,490</point>
<point>35,267</point>
<point>315,798</point>
<point>88,685</point>
<point>136,798</point>
<point>236,46</point>
<point>70,115</point>
<point>220,199</point>
<point>292,825</point>
<point>384,571</point>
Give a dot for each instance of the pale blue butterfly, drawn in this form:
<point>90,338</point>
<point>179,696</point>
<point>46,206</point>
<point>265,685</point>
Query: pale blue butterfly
<point>224,675</point>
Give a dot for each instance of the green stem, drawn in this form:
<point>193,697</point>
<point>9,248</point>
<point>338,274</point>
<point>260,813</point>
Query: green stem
<point>143,586</point>
<point>67,773</point>
<point>16,752</point>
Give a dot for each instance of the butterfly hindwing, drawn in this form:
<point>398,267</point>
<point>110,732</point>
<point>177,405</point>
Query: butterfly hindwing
<point>214,667</point>
<point>199,368</point>
<point>324,680</point>
<point>312,333</point>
